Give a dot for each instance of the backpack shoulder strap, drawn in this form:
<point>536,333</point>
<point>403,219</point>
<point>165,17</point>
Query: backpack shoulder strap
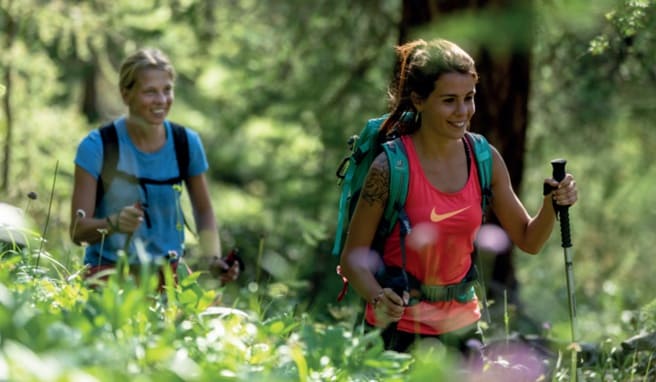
<point>483,156</point>
<point>181,145</point>
<point>109,139</point>
<point>110,144</point>
<point>399,175</point>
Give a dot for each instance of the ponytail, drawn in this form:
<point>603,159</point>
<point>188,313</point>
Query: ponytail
<point>400,101</point>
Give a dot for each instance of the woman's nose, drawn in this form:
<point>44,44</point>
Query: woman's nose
<point>461,107</point>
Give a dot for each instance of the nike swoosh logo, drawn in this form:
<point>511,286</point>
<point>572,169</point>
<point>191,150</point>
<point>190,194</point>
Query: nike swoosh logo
<point>435,217</point>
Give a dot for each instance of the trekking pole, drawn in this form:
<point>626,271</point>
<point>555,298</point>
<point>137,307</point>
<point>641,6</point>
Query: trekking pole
<point>483,288</point>
<point>128,239</point>
<point>563,214</point>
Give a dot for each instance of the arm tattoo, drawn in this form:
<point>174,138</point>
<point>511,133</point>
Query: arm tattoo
<point>376,186</point>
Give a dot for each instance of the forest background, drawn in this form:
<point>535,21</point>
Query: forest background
<point>276,88</point>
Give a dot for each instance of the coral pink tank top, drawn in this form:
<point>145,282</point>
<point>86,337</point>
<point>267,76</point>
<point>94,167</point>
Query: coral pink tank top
<point>438,250</point>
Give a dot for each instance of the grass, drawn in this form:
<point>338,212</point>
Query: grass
<point>127,331</point>
<point>56,328</point>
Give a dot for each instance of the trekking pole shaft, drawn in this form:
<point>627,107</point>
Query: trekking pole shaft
<point>570,291</point>
<point>126,246</point>
<point>481,280</point>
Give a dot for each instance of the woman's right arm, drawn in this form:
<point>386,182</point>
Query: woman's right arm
<point>87,228</point>
<point>358,262</point>
<point>84,227</point>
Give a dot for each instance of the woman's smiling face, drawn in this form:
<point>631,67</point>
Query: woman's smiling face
<point>151,97</point>
<point>450,106</point>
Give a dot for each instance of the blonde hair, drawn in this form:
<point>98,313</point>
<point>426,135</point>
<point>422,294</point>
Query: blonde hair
<point>146,58</point>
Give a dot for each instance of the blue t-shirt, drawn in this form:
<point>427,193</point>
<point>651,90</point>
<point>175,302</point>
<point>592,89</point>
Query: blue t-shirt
<point>163,231</point>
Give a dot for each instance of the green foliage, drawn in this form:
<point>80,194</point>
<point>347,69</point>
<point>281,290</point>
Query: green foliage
<point>126,331</point>
<point>274,97</point>
<point>275,89</point>
<point>592,103</point>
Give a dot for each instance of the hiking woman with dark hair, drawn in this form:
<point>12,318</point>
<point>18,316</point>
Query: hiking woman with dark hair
<point>139,211</point>
<point>436,83</point>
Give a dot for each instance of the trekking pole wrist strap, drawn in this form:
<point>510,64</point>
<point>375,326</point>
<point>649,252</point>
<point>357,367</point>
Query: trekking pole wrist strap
<point>112,228</point>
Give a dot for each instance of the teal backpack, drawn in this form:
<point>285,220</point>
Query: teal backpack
<point>353,169</point>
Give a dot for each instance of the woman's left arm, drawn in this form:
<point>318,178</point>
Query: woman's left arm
<point>208,234</point>
<point>526,232</point>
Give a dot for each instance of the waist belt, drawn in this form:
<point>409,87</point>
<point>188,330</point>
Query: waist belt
<point>461,292</point>
<point>391,277</point>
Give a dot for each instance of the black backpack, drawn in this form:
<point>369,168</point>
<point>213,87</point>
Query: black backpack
<point>110,171</point>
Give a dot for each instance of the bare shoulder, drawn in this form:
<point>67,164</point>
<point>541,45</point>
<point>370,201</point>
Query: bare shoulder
<point>376,186</point>
<point>499,169</point>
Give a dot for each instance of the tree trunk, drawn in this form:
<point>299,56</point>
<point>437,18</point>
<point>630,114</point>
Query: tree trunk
<point>10,31</point>
<point>90,91</point>
<point>501,98</point>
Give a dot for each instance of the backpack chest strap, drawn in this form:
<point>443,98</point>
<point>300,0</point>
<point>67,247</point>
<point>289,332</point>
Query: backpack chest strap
<point>142,182</point>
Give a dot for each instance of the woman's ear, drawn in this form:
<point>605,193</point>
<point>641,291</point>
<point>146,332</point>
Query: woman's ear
<point>125,95</point>
<point>417,101</point>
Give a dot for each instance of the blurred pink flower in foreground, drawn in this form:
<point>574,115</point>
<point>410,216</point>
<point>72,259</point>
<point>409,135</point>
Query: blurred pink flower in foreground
<point>493,239</point>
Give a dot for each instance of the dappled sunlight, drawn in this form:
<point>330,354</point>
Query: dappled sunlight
<point>14,229</point>
<point>277,265</point>
<point>275,96</point>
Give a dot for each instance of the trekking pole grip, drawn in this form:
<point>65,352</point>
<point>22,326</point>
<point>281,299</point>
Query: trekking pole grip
<point>558,166</point>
